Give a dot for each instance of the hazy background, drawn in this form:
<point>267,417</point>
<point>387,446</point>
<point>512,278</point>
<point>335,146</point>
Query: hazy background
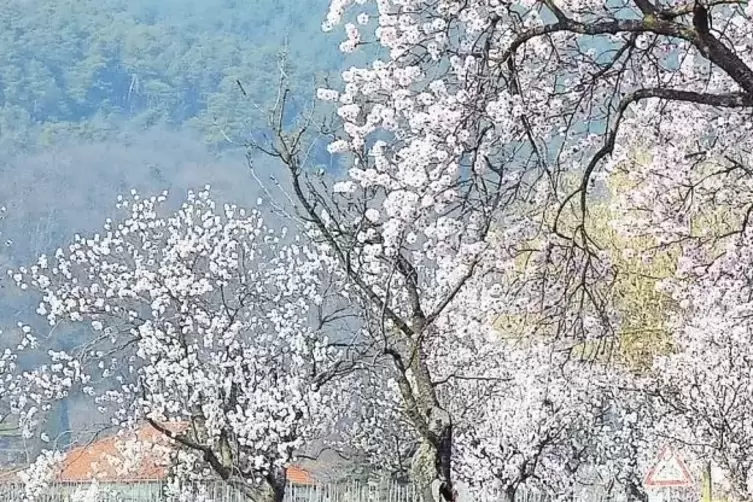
<point>101,96</point>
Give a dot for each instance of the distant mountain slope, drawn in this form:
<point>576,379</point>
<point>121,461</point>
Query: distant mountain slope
<point>82,68</point>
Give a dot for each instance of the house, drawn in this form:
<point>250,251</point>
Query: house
<point>135,466</point>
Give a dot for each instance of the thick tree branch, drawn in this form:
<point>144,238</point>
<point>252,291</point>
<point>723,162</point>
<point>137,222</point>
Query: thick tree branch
<point>209,455</point>
<point>645,6</point>
<point>709,46</point>
<point>731,100</point>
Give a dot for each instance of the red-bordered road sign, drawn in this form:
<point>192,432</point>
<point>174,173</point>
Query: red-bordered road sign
<point>668,470</point>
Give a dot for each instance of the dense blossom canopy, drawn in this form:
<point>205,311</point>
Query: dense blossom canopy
<point>488,127</point>
<point>203,317</point>
<point>446,303</point>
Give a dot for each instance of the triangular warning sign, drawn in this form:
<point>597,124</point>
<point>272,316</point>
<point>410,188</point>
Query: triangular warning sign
<point>668,470</point>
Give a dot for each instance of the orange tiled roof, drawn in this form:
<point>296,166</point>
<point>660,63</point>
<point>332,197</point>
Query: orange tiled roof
<point>103,460</point>
<point>10,476</point>
<point>298,476</point>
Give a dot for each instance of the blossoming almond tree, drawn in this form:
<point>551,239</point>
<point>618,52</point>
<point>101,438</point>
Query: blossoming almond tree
<point>207,324</point>
<point>431,226</point>
<point>549,87</point>
<point>415,246</point>
<point>531,92</point>
<point>435,252</point>
<point>535,432</point>
<point>560,425</point>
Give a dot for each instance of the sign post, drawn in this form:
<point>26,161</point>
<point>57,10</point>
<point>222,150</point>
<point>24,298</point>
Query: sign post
<point>668,471</point>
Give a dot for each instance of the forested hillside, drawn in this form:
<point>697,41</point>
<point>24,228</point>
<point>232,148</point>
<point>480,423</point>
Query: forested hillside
<point>86,69</point>
<point>101,96</point>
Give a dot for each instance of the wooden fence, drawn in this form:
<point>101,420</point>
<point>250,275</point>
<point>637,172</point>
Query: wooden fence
<point>157,491</point>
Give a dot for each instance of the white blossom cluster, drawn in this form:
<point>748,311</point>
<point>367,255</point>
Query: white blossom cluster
<point>38,476</point>
<point>204,316</point>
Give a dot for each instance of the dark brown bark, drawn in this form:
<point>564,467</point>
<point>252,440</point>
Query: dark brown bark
<point>277,480</point>
<point>701,19</point>
<point>444,463</point>
<point>635,493</point>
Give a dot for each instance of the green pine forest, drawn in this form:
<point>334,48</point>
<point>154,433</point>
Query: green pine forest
<point>88,69</point>
<point>102,96</point>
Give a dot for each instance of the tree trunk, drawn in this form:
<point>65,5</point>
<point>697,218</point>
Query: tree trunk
<point>635,493</point>
<point>276,483</point>
<point>431,468</point>
<point>444,462</point>
<point>423,472</point>
<point>509,494</point>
